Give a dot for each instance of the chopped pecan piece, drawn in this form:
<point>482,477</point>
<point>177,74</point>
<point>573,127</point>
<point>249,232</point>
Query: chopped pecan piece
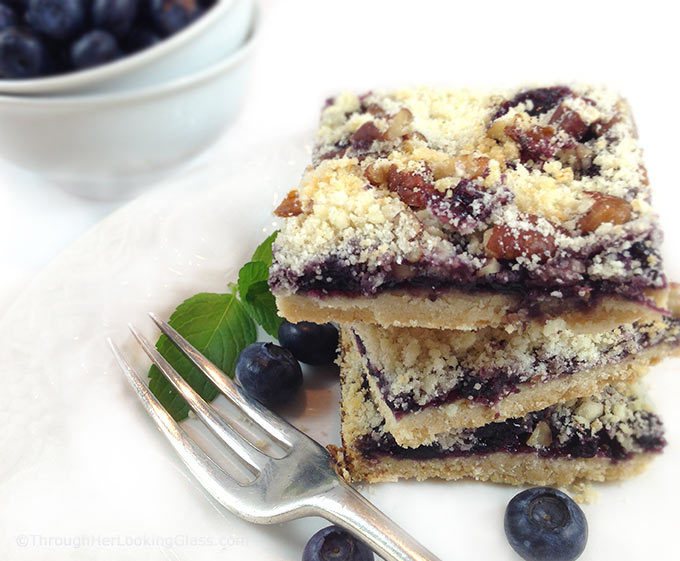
<point>375,109</point>
<point>412,188</point>
<point>645,176</point>
<point>600,128</point>
<point>579,159</point>
<point>535,143</point>
<point>466,165</point>
<point>605,209</point>
<point>569,121</point>
<point>415,135</point>
<point>332,154</point>
<point>290,206</point>
<point>398,124</point>
<point>508,242</point>
<point>541,437</point>
<point>403,271</point>
<point>376,175</point>
<point>364,136</point>
<point>474,166</point>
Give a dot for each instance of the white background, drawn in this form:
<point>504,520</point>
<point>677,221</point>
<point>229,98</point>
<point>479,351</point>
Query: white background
<point>310,49</point>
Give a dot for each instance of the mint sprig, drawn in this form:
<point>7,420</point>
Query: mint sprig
<point>220,326</point>
<point>264,250</point>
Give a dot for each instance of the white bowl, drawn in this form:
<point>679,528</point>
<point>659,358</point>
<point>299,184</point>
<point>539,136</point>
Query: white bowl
<point>108,145</point>
<point>213,36</point>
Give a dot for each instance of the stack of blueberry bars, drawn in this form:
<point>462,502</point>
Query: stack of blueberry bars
<point>493,261</point>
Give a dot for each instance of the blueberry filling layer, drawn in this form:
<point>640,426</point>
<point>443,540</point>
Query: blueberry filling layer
<point>565,275</point>
<point>489,387</point>
<point>563,439</point>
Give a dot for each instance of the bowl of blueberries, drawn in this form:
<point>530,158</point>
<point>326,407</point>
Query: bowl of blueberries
<point>104,96</point>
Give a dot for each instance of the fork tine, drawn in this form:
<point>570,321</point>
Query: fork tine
<point>221,486</point>
<point>203,410</point>
<point>277,428</point>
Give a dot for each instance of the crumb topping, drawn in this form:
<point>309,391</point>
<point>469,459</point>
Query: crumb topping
<point>424,182</point>
<point>619,410</point>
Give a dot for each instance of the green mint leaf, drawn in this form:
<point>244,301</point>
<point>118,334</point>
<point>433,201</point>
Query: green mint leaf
<point>264,250</point>
<point>256,296</point>
<point>219,327</point>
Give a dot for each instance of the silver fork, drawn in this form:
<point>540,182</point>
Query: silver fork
<point>302,483</point>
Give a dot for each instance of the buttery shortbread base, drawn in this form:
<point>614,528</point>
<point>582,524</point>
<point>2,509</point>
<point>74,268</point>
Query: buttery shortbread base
<point>457,310</point>
<point>359,415</point>
<point>421,427</point>
<point>512,469</point>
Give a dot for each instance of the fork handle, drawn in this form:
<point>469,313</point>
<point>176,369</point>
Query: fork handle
<point>347,508</point>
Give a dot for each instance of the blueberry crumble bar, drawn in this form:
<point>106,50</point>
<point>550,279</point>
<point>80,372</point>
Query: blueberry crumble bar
<point>608,436</point>
<point>426,381</point>
<point>457,209</point>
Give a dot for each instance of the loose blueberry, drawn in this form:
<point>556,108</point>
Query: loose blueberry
<point>22,54</point>
<point>116,16</point>
<point>140,39</point>
<point>335,544</point>
<point>7,17</point>
<point>544,524</point>
<point>94,48</point>
<point>58,19</point>
<point>169,16</point>
<point>268,372</point>
<point>311,343</point>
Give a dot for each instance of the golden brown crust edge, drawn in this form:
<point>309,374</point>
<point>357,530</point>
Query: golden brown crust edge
<point>421,427</point>
<point>499,467</point>
<point>455,310</point>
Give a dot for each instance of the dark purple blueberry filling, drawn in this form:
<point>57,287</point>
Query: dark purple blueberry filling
<point>566,273</point>
<point>543,99</point>
<point>468,207</point>
<point>510,436</point>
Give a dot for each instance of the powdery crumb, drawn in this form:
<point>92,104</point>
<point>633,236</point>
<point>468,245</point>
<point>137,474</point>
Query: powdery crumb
<point>582,492</point>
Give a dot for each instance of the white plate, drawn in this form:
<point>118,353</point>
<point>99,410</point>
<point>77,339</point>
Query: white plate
<point>85,475</point>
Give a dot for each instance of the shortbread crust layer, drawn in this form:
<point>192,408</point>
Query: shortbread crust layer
<point>502,205</point>
<point>462,310</point>
<point>511,469</point>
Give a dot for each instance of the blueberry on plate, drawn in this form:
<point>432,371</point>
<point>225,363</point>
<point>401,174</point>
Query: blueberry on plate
<point>169,16</point>
<point>58,19</point>
<point>335,544</point>
<point>116,16</point>
<point>7,17</point>
<point>22,54</point>
<point>268,372</point>
<point>139,39</point>
<point>311,343</point>
<point>94,48</point>
<point>544,524</point>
